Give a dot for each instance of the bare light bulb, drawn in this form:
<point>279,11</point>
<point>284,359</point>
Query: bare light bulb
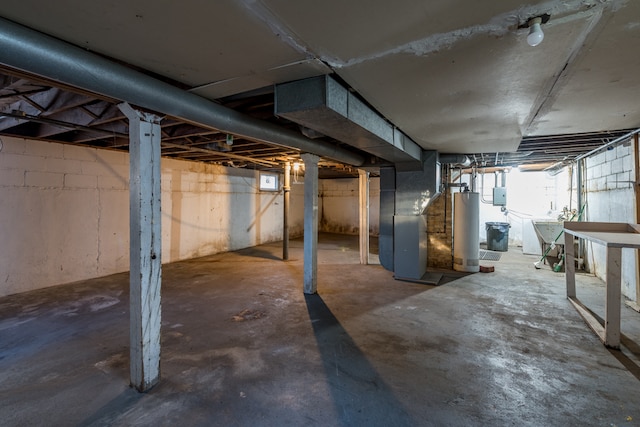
<point>536,35</point>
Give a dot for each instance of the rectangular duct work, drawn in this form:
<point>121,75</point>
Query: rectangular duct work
<point>322,104</point>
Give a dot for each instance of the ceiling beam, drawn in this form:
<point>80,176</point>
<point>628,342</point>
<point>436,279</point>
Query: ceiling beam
<point>220,154</point>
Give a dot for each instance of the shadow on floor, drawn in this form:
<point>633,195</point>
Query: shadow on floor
<point>256,252</point>
<point>631,346</point>
<point>436,277</point>
<point>350,375</point>
<point>626,361</point>
<point>118,405</point>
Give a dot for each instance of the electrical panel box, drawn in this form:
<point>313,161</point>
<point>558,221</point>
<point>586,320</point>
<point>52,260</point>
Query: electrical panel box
<point>499,196</point>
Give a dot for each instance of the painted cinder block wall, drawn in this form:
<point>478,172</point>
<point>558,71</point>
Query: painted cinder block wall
<point>339,214</point>
<point>339,210</point>
<point>530,195</point>
<point>64,212</point>
<point>610,198</point>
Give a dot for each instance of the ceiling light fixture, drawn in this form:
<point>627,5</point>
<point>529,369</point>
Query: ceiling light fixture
<point>536,35</point>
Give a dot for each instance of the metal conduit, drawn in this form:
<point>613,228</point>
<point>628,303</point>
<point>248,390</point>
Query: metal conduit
<point>607,145</point>
<point>34,52</point>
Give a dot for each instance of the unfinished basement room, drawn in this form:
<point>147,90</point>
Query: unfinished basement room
<point>336,213</point>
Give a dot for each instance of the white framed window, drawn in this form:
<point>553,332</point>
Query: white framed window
<point>269,181</point>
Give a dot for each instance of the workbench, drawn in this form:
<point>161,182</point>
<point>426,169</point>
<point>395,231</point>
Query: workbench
<point>614,236</point>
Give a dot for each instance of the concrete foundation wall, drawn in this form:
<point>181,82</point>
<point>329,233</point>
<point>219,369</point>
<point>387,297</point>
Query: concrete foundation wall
<point>610,198</point>
<point>65,212</point>
<point>529,195</point>
<point>339,206</point>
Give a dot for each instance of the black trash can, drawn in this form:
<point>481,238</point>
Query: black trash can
<point>498,236</point>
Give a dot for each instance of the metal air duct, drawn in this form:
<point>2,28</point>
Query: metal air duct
<point>324,105</point>
<point>404,199</point>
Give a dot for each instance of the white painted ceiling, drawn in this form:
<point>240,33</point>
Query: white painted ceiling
<point>455,75</point>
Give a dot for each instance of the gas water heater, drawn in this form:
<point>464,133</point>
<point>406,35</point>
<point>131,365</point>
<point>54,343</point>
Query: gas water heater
<point>466,232</point>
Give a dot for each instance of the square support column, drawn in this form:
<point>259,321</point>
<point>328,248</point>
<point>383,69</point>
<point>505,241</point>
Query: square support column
<point>612,300</point>
<point>286,189</point>
<point>310,223</point>
<point>569,265</point>
<point>145,247</point>
<point>363,185</point>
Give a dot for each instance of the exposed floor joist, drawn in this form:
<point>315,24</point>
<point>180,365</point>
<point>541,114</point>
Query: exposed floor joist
<point>38,110</point>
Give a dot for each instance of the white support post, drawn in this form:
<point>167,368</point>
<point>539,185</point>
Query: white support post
<point>363,185</point>
<point>569,265</point>
<point>635,304</point>
<point>145,247</point>
<point>286,188</point>
<point>612,302</point>
<point>310,223</point>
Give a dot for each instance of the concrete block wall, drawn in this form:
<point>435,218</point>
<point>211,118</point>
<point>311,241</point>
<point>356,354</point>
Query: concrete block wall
<point>339,214</point>
<point>610,198</point>
<point>530,195</point>
<point>65,212</point>
<point>440,232</point>
<point>340,204</point>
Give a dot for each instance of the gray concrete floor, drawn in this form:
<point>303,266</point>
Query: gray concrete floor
<point>242,346</point>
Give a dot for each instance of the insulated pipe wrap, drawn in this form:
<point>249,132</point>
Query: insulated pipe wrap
<point>455,159</point>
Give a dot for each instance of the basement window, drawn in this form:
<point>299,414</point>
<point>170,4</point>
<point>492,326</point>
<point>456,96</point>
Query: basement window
<point>269,181</point>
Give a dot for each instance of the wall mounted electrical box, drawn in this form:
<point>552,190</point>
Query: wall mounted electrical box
<point>499,196</point>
